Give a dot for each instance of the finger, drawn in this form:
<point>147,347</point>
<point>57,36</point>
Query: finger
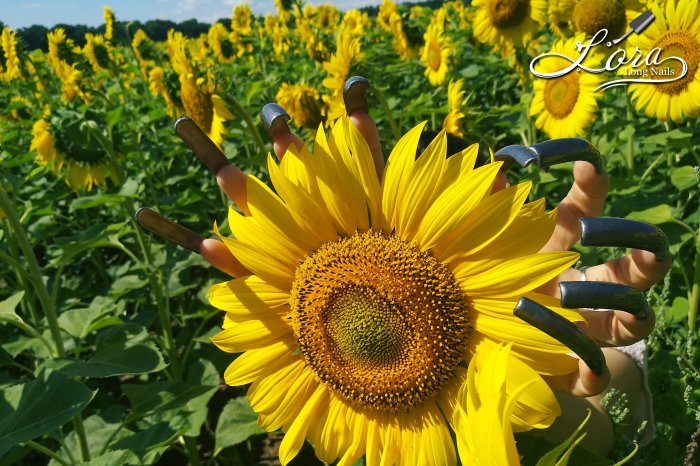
<point>229,177</point>
<point>593,375</point>
<point>649,261</point>
<point>585,199</point>
<point>563,331</point>
<point>631,321</point>
<point>213,251</point>
<point>275,118</point>
<point>357,108</point>
<point>217,254</point>
<point>587,195</point>
<point>583,383</point>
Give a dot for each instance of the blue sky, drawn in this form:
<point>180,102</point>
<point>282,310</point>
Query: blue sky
<point>17,14</point>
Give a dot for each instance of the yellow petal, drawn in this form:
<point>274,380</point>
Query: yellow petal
<point>267,394</point>
<point>294,438</point>
<point>516,276</point>
<point>484,223</point>
<point>397,168</point>
<point>314,219</point>
<point>255,363</point>
<point>252,334</point>
<point>295,400</point>
<point>453,205</point>
<point>247,230</point>
<point>341,192</point>
<point>419,188</point>
<point>246,296</point>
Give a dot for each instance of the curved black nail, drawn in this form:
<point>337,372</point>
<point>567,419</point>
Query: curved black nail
<point>553,152</point>
<point>626,233</point>
<point>203,147</point>
<point>273,114</point>
<point>166,228</point>
<point>355,95</point>
<point>604,295</point>
<point>563,331</point>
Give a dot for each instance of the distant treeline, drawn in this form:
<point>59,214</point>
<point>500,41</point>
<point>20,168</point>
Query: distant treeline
<point>34,37</point>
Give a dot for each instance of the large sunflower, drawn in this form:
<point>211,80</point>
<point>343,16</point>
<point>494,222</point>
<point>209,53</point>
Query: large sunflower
<point>508,22</point>
<point>676,32</point>
<point>566,106</point>
<point>368,299</point>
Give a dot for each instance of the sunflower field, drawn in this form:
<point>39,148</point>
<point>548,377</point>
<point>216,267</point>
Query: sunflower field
<point>111,337</point>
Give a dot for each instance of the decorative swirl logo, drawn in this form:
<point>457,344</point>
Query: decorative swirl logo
<point>619,58</point>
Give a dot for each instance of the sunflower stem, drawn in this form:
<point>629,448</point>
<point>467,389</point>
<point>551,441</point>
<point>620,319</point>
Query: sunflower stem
<point>630,139</point>
<point>251,125</point>
<point>694,296</point>
<point>45,451</point>
<point>387,112</point>
<point>82,439</point>
<point>155,278</point>
<point>34,270</point>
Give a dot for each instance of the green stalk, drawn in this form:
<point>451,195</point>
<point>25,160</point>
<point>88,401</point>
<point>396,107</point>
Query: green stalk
<point>695,291</point>
<point>155,279</point>
<point>630,140</point>
<point>82,439</point>
<point>238,108</point>
<point>44,298</point>
<point>42,449</point>
<point>34,270</point>
<point>396,133</point>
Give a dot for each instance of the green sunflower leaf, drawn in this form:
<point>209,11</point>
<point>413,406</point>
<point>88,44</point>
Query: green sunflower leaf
<point>236,423</point>
<point>40,406</point>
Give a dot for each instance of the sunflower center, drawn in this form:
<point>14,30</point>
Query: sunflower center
<point>683,45</point>
<point>508,13</point>
<point>590,16</point>
<point>434,56</point>
<point>197,104</point>
<point>381,324</point>
<point>561,94</point>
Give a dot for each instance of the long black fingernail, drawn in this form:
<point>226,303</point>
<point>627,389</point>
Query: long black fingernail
<point>552,152</point>
<point>166,228</point>
<point>355,95</point>
<point>203,147</point>
<point>273,115</point>
<point>604,295</point>
<point>563,331</point>
<point>626,233</point>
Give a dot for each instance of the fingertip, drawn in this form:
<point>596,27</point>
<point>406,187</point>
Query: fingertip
<point>500,182</point>
<point>587,383</point>
<point>217,254</point>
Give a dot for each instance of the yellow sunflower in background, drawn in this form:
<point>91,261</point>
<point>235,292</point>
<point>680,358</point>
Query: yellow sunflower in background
<point>590,16</point>
<point>338,68</point>
<point>566,106</point>
<point>220,43</point>
<point>560,12</point>
<point>453,121</point>
<point>8,41</point>
<point>69,148</point>
<point>109,22</point>
<point>676,31</point>
<point>508,22</point>
<point>436,54</point>
<point>386,9</point>
<point>304,104</point>
<point>367,299</point>
<point>98,51</point>
<point>198,94</point>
